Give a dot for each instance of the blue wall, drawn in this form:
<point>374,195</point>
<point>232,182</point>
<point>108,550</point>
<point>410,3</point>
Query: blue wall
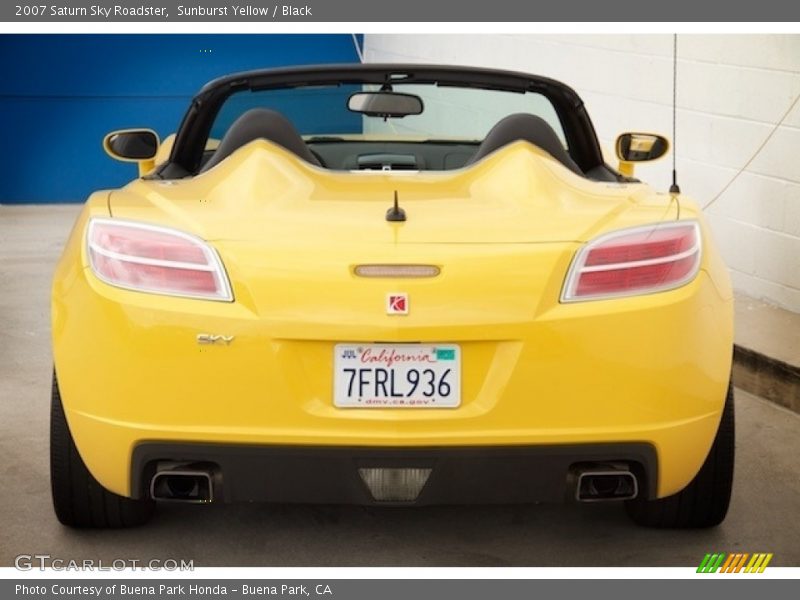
<point>60,94</point>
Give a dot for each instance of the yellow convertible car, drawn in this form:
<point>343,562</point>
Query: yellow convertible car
<point>394,285</point>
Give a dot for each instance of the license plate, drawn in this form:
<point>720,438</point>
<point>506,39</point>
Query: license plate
<point>397,376</point>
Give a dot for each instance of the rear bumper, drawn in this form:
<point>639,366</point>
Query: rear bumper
<point>325,475</point>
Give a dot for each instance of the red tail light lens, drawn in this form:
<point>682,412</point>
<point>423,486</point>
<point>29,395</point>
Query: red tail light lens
<point>154,259</point>
<point>643,260</point>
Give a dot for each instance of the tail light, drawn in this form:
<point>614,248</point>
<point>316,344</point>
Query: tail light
<point>154,259</point>
<point>635,261</point>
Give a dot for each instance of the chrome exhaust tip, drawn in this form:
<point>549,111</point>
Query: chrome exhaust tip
<point>597,485</point>
<point>183,485</point>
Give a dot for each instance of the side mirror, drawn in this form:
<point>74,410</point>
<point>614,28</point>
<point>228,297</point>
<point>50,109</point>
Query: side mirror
<point>133,145</point>
<point>385,104</point>
<point>639,147</point>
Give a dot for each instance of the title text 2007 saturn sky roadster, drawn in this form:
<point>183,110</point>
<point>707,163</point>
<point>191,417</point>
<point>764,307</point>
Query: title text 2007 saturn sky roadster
<point>393,285</point>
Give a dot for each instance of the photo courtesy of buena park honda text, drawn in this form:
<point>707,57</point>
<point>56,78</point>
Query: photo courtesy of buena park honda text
<point>352,299</point>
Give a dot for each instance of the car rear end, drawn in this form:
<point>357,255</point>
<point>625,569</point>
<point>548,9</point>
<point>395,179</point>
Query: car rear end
<point>392,363</point>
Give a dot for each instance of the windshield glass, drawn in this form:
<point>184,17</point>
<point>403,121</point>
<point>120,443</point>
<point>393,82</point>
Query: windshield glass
<point>450,113</point>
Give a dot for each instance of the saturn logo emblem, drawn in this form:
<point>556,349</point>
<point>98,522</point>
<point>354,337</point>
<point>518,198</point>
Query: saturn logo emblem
<point>397,304</point>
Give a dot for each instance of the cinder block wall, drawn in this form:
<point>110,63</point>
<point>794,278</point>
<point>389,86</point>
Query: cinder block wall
<point>732,91</point>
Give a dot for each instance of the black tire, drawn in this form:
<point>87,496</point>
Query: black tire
<point>78,499</point>
<point>704,502</point>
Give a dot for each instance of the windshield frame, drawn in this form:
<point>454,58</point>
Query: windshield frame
<point>187,152</point>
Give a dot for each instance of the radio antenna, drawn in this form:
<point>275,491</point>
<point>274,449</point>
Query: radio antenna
<point>674,188</point>
<point>395,213</point>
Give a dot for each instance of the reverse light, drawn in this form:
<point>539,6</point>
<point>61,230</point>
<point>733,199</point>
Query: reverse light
<point>395,484</point>
<point>157,260</point>
<point>641,260</point>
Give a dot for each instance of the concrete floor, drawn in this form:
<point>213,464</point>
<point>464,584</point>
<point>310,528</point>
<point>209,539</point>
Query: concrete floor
<point>763,515</point>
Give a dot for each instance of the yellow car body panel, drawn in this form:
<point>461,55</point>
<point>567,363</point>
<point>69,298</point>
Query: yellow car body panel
<point>652,368</point>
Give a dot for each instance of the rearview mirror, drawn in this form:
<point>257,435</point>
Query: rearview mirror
<point>641,147</point>
<point>132,145</point>
<point>385,104</point>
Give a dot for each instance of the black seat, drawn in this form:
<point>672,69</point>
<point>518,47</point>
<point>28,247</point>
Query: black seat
<point>261,123</point>
<point>530,128</point>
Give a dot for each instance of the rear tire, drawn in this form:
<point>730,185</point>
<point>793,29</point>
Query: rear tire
<point>704,502</point>
<point>78,499</point>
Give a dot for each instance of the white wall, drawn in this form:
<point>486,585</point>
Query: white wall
<point>732,91</point>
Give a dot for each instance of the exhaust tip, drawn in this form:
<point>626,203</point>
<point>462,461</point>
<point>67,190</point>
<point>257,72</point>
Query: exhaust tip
<point>595,486</point>
<point>182,486</point>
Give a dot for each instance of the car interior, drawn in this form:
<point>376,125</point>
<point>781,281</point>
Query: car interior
<point>340,153</point>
